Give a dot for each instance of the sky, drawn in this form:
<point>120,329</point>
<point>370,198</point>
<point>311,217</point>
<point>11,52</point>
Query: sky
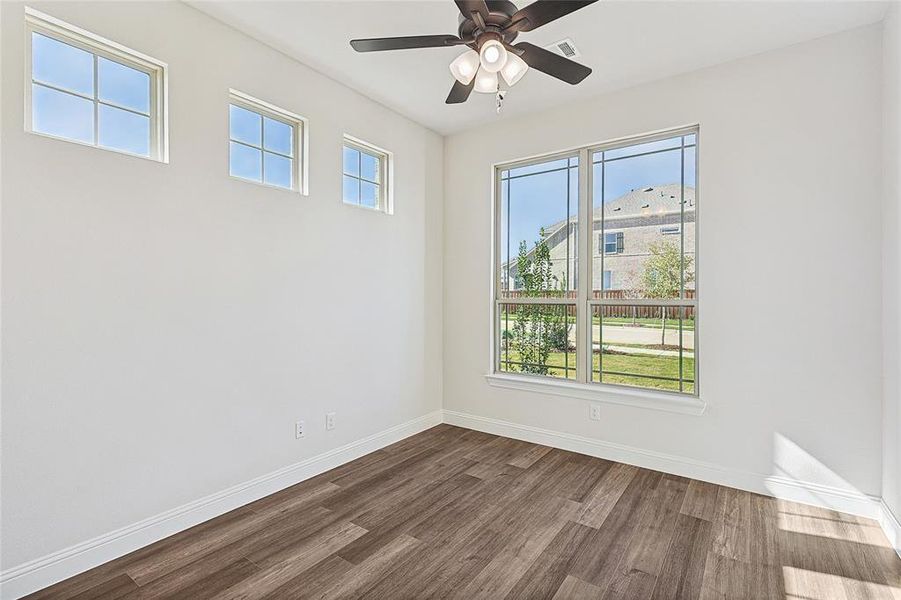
<point>539,199</point>
<point>64,94</point>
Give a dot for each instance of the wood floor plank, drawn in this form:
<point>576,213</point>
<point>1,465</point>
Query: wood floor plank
<point>731,523</point>
<point>550,569</point>
<point>510,564</point>
<point>598,561</point>
<point>187,585</point>
<point>727,579</point>
<point>527,459</point>
<point>763,531</point>
<point>643,560</point>
<point>290,566</point>
<point>314,581</point>
<point>120,586</point>
<point>455,513</point>
<point>682,573</point>
<point>371,570</point>
<point>700,500</point>
<point>606,493</point>
<point>574,588</point>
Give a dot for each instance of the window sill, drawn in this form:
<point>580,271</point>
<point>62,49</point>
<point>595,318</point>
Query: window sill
<point>688,405</point>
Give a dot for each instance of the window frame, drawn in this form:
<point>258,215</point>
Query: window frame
<point>98,46</point>
<point>385,201</point>
<point>299,125</point>
<point>583,386</point>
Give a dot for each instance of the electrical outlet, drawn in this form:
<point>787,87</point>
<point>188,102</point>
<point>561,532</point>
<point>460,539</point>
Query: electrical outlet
<point>330,420</point>
<point>299,429</point>
<point>594,412</point>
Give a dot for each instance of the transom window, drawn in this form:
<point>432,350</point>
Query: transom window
<point>89,90</point>
<point>633,322</point>
<point>365,175</point>
<point>264,142</point>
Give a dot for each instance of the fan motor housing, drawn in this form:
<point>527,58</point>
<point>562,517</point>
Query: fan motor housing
<point>500,13</point>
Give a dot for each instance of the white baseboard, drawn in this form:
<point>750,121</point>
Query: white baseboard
<point>42,572</point>
<point>891,526</point>
<point>843,500</point>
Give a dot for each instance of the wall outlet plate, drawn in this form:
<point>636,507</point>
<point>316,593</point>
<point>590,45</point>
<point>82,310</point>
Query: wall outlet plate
<point>594,412</point>
<point>299,429</point>
<point>330,420</point>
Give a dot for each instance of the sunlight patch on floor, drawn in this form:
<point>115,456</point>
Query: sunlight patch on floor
<point>801,584</point>
<point>811,520</point>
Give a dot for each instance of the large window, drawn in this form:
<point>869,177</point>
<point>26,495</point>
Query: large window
<point>633,321</point>
<point>89,90</point>
<point>264,143</point>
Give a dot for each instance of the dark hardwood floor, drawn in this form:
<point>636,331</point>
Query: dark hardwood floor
<point>454,513</point>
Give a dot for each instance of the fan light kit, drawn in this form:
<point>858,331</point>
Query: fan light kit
<point>488,28</point>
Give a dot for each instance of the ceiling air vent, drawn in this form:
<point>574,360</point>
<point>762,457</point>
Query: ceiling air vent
<point>566,48</point>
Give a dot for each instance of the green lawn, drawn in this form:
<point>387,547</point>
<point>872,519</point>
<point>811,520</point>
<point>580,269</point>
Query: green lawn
<point>636,364</point>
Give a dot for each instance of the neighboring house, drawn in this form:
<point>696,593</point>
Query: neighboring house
<point>631,224</point>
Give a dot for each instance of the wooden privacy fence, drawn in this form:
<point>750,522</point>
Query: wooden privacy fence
<point>620,311</point>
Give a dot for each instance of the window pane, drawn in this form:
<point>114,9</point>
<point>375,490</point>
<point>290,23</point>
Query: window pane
<point>124,130</point>
<point>644,346</point>
<point>369,194</point>
<point>537,339</point>
<point>642,148</point>
<point>123,85</point>
<point>61,114</point>
<point>689,366</point>
<point>640,199</point>
<point>245,162</point>
<point>351,190</point>
<point>539,167</point>
<point>62,65</point>
<point>689,206</point>
<point>278,136</point>
<point>245,126</point>
<point>538,228</point>
<point>351,161</point>
<point>369,167</point>
<point>277,170</point>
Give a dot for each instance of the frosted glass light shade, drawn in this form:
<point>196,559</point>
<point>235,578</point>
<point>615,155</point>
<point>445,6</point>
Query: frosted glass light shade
<point>493,56</point>
<point>465,66</point>
<point>486,82</point>
<point>514,69</point>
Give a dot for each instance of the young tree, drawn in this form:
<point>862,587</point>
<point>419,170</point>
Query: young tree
<point>662,276</point>
<point>536,330</point>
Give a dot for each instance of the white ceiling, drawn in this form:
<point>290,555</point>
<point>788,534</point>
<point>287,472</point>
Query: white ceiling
<point>624,42</point>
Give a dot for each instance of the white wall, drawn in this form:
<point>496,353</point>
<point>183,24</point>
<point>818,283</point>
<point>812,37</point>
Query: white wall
<point>164,325</point>
<point>789,266</point>
<point>891,456</point>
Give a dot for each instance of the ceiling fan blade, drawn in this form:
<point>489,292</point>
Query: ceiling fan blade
<point>552,64</point>
<point>405,43</point>
<point>543,12</point>
<point>467,7</point>
<point>460,93</point>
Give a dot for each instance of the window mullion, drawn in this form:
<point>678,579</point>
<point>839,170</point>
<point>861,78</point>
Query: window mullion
<point>583,310</point>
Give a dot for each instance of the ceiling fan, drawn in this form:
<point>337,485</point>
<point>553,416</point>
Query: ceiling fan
<point>488,28</point>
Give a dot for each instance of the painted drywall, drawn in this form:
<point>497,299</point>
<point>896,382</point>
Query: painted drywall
<point>165,325</point>
<point>891,455</point>
<point>789,267</point>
